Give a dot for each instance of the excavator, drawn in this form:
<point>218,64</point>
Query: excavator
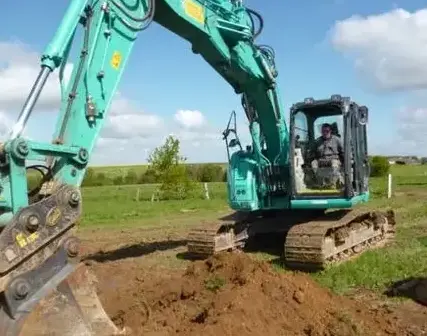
<point>274,187</point>
<point>45,289</point>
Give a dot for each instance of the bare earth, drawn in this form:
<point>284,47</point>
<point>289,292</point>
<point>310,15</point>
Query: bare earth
<point>146,285</point>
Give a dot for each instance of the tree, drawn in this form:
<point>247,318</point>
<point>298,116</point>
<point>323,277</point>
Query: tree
<point>170,171</point>
<point>118,180</point>
<point>149,176</point>
<point>89,177</point>
<point>210,173</point>
<point>131,177</point>
<point>380,166</point>
<point>101,179</point>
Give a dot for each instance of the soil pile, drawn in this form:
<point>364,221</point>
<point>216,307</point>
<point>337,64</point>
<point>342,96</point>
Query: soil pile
<point>231,294</point>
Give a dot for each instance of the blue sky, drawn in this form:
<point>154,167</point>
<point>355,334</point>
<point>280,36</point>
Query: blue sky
<point>163,76</point>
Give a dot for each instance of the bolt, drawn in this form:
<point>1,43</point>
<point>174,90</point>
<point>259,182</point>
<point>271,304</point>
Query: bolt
<point>33,223</point>
<point>22,148</point>
<point>74,198</point>
<point>72,246</point>
<point>83,154</point>
<point>21,288</point>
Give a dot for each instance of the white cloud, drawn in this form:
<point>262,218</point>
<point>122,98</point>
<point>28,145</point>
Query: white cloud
<point>411,129</point>
<point>388,49</point>
<point>19,67</point>
<point>125,126</point>
<point>129,133</point>
<point>190,119</point>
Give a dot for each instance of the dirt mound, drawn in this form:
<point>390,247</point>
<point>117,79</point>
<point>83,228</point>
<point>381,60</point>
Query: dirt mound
<point>231,294</point>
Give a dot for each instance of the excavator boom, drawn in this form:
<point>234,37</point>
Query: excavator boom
<point>45,289</point>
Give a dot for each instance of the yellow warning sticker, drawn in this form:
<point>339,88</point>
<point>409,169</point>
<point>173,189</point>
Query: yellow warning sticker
<point>116,60</point>
<point>32,237</point>
<point>23,241</point>
<point>194,10</point>
<point>53,216</point>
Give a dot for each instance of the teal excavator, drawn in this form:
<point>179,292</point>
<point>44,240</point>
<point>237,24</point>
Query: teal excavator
<point>45,289</point>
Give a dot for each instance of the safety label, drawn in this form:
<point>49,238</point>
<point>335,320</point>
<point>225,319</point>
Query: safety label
<point>116,60</point>
<point>194,10</point>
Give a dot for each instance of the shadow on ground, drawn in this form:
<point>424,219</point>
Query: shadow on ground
<point>414,288</point>
<point>135,250</point>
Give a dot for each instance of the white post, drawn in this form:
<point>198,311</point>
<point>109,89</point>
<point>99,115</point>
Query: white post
<point>137,195</point>
<point>389,191</point>
<point>206,191</point>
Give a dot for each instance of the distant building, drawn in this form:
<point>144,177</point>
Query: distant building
<point>403,160</point>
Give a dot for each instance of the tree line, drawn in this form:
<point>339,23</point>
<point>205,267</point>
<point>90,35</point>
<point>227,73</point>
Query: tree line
<point>167,167</point>
<point>178,180</point>
<point>208,172</point>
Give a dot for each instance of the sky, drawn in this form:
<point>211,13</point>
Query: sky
<point>373,51</point>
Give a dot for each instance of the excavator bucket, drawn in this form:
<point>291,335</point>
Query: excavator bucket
<point>71,309</point>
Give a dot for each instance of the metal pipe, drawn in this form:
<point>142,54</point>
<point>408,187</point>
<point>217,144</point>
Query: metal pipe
<point>29,103</point>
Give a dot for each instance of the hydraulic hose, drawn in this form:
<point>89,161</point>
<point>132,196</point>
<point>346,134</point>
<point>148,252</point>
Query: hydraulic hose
<point>261,22</point>
<point>148,16</point>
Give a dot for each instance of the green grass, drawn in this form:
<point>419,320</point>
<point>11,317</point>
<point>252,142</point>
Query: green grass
<point>377,269</point>
<point>116,206</point>
<point>131,205</point>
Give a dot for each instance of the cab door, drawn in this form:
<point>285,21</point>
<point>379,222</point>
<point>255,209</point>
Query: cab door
<point>359,149</point>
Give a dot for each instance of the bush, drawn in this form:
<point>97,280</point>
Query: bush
<point>379,166</point>
<point>131,177</point>
<point>118,180</point>
<point>148,177</point>
<point>101,180</point>
<point>193,172</point>
<point>88,179</point>
<point>172,174</point>
<point>210,173</point>
<point>175,184</point>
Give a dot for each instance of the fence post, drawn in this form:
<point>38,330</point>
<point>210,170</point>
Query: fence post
<point>389,188</point>
<point>137,194</point>
<point>206,191</point>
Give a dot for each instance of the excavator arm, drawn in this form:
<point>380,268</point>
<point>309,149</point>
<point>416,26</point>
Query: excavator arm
<point>39,253</point>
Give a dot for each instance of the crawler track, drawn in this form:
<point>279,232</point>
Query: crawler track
<point>206,242</point>
<point>310,244</point>
<point>334,239</point>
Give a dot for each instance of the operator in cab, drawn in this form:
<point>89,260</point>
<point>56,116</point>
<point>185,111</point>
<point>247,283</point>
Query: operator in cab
<point>328,158</point>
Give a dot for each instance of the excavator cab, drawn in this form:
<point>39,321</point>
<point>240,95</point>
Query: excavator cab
<point>315,174</point>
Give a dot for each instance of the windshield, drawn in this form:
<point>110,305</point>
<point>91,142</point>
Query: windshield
<point>335,121</point>
<point>318,156</point>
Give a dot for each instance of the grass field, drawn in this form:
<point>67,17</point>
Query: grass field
<point>117,207</point>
